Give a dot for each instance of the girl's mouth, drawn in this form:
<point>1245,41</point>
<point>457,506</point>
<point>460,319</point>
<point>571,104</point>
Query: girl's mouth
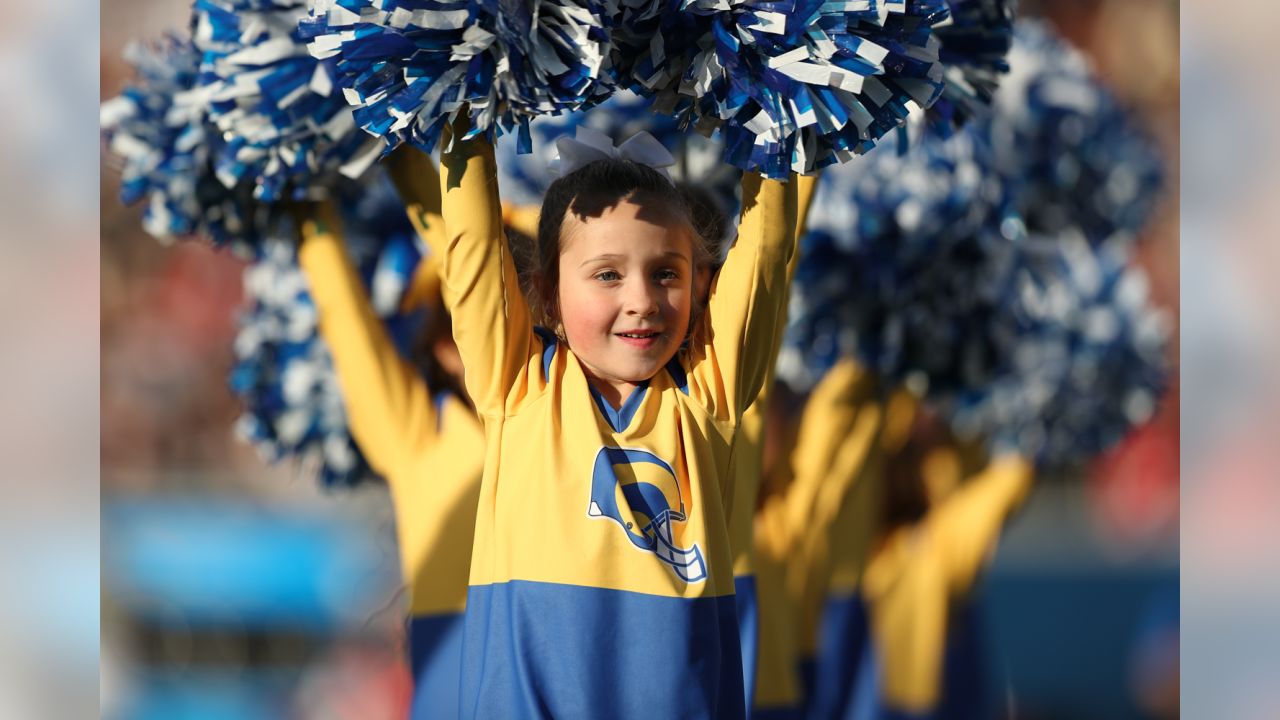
<point>642,339</point>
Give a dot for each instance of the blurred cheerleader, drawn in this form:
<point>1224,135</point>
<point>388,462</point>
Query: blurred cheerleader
<point>936,535</point>
<point>416,426</point>
<point>813,529</point>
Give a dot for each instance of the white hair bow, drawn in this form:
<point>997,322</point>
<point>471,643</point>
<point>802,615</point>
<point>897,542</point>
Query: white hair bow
<point>591,145</point>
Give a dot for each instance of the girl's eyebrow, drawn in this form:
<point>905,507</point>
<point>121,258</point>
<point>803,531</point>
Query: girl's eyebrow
<point>605,257</point>
<point>613,257</point>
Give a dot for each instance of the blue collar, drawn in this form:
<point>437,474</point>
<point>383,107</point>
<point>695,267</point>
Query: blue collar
<point>620,419</point>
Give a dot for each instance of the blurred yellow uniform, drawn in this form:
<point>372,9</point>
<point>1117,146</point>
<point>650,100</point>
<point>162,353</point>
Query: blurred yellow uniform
<point>778,693</point>
<point>827,500</point>
<point>916,580</point>
<point>428,445</point>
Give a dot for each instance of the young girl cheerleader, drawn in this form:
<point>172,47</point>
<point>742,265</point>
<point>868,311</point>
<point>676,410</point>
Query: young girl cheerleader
<point>710,223</point>
<point>417,429</point>
<point>602,577</point>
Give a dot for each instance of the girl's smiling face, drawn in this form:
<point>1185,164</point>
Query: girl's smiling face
<point>626,293</point>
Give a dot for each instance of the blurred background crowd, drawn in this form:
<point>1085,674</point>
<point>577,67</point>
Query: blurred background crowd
<point>236,588</point>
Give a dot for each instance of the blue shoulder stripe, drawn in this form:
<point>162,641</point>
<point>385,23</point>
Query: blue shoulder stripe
<point>676,370</point>
<point>549,341</point>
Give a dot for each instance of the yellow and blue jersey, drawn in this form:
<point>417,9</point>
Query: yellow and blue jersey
<point>916,587</point>
<point>602,572</point>
<point>429,447</point>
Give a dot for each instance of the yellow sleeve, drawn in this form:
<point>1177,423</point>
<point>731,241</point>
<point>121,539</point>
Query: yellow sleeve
<point>748,297</point>
<point>968,523</point>
<point>805,186</point>
<point>777,680</point>
<point>908,603</point>
<point>491,322</point>
<point>418,184</point>
<point>389,407</point>
<point>424,287</point>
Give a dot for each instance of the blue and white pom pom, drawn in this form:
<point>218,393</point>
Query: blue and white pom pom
<point>284,372</point>
<point>410,66</point>
<point>289,130</point>
<point>974,49</point>
<point>906,259</point>
<point>1077,158</point>
<point>1086,364</point>
<point>790,86</point>
<point>159,128</point>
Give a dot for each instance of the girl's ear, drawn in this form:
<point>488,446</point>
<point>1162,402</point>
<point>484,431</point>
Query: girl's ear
<point>702,283</point>
<point>701,290</point>
<point>550,305</point>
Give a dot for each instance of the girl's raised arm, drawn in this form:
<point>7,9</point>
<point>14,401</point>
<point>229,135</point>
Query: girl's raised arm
<point>389,407</point>
<point>748,297</point>
<point>491,321</point>
<point>805,189</point>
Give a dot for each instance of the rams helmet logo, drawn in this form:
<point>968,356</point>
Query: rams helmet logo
<point>640,491</point>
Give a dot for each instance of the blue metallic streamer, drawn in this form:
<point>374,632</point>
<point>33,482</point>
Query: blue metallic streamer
<point>159,129</point>
<point>289,131</point>
<point>1087,362</point>
<point>904,264</point>
<point>974,49</point>
<point>1046,344</point>
<point>408,65</point>
<point>1076,158</point>
<point>789,85</point>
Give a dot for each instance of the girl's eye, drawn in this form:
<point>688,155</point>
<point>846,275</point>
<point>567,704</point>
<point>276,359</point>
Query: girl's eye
<point>608,276</point>
<point>666,275</point>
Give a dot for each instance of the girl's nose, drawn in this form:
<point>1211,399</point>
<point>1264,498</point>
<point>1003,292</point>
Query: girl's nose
<point>641,300</point>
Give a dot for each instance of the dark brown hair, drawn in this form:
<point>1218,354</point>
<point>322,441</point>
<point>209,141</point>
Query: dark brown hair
<point>709,219</point>
<point>906,497</point>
